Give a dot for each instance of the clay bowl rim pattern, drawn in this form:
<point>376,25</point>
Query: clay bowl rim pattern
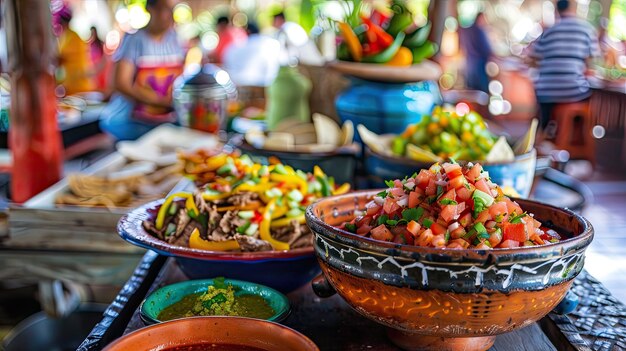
<point>419,164</point>
<point>161,296</point>
<point>130,228</point>
<point>185,325</point>
<point>317,225</point>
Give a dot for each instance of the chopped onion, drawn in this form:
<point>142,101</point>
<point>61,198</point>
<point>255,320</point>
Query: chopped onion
<point>441,182</point>
<point>494,192</point>
<point>403,201</point>
<point>409,185</point>
<point>358,213</point>
<point>453,226</point>
<point>379,200</point>
<point>490,224</point>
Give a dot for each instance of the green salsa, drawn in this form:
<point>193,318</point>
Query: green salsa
<point>218,302</point>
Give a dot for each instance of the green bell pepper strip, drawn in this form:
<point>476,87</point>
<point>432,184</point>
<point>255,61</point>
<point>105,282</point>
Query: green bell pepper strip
<point>418,37</point>
<point>427,50</point>
<point>387,54</point>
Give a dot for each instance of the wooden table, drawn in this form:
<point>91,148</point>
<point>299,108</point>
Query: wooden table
<point>608,109</point>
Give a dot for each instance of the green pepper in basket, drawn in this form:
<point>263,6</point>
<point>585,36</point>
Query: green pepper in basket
<point>388,53</point>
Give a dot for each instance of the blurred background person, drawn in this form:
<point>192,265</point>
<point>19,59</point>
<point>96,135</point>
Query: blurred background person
<point>228,35</point>
<point>562,54</point>
<point>100,61</point>
<point>77,73</point>
<point>255,62</point>
<point>475,45</point>
<point>295,43</point>
<point>146,64</point>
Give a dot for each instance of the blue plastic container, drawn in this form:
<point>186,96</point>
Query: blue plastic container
<point>387,107</point>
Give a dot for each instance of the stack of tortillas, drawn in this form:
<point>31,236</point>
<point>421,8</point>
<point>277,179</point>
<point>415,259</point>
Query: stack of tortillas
<point>323,135</point>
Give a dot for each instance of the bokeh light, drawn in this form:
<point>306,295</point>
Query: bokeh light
<point>598,131</point>
<point>462,109</point>
<point>138,16</point>
<point>492,69</point>
<point>209,40</point>
<point>240,20</point>
<point>495,87</point>
<point>182,13</point>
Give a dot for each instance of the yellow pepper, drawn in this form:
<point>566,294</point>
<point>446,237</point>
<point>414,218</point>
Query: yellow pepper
<point>290,179</point>
<point>196,242</point>
<point>279,212</point>
<point>190,204</point>
<point>344,188</point>
<point>317,172</point>
<point>282,222</point>
<point>253,205</point>
<point>216,162</point>
<point>264,228</point>
<point>257,188</point>
<point>210,197</point>
<point>352,41</point>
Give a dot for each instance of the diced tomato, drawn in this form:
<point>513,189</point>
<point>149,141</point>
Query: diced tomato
<point>474,172</point>
<point>365,220</point>
<point>382,233</point>
<point>423,178</point>
<point>495,238</point>
<point>453,170</point>
<point>512,206</point>
<point>514,231</point>
<point>450,195</point>
<point>498,209</point>
<point>483,246</point>
<point>362,230</point>
<point>457,233</point>
<point>438,241</point>
<point>390,205</point>
<point>482,185</point>
<point>372,208</point>
<point>425,238</point>
<point>465,220</point>
<point>398,183</point>
<point>431,189</point>
<point>509,244</point>
<point>464,193</point>
<point>414,199</point>
<point>402,234</point>
<point>396,192</point>
<point>457,182</point>
<point>413,227</point>
<point>459,243</point>
<point>438,229</point>
<point>484,216</point>
<point>452,212</point>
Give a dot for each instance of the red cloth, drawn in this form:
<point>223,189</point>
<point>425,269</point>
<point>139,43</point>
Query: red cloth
<point>228,37</point>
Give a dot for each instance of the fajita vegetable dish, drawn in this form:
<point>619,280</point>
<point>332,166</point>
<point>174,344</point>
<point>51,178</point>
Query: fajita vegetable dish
<point>247,207</point>
<point>449,206</point>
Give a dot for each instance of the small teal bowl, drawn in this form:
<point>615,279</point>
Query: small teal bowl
<point>168,295</point>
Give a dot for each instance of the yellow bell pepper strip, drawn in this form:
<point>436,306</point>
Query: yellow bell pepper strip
<point>387,54</point>
<point>264,228</point>
<point>216,162</point>
<point>257,188</point>
<point>290,179</point>
<point>279,211</point>
<point>286,220</point>
<point>317,171</point>
<point>344,188</point>
<point>404,57</point>
<point>196,242</point>
<point>215,196</point>
<point>352,41</point>
<point>190,204</point>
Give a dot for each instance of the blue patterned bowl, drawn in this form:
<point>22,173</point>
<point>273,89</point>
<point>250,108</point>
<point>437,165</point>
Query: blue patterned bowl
<point>518,174</point>
<point>445,299</point>
<point>284,271</point>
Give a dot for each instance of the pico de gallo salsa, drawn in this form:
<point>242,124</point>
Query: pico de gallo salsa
<point>449,206</point>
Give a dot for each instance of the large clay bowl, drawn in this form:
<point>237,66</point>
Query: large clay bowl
<point>232,331</point>
<point>441,299</point>
<point>284,271</point>
<point>517,174</point>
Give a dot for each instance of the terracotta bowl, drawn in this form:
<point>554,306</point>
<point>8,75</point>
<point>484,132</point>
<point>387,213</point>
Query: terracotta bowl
<point>441,299</point>
<point>233,331</point>
<point>284,271</point>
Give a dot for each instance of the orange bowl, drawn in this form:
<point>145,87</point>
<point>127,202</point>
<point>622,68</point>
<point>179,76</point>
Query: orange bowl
<point>232,331</point>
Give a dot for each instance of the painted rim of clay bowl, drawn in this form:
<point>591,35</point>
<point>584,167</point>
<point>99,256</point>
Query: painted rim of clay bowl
<point>406,160</point>
<point>577,243</point>
<point>225,330</point>
<point>131,229</point>
<point>163,299</point>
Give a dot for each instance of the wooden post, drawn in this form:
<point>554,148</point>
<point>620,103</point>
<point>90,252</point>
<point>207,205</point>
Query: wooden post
<point>34,136</point>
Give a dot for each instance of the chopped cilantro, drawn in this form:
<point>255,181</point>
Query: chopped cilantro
<point>518,218</point>
<point>447,236</point>
<point>382,219</point>
<point>242,229</point>
<point>394,222</point>
<point>439,191</point>
<point>482,201</point>
<point>448,202</point>
<point>351,227</point>
<point>414,175</point>
<point>389,183</point>
<point>427,223</point>
<point>482,235</point>
<point>412,214</point>
<point>382,194</point>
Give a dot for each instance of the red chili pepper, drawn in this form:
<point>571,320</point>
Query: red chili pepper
<point>257,218</point>
<point>379,18</point>
<point>375,34</point>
